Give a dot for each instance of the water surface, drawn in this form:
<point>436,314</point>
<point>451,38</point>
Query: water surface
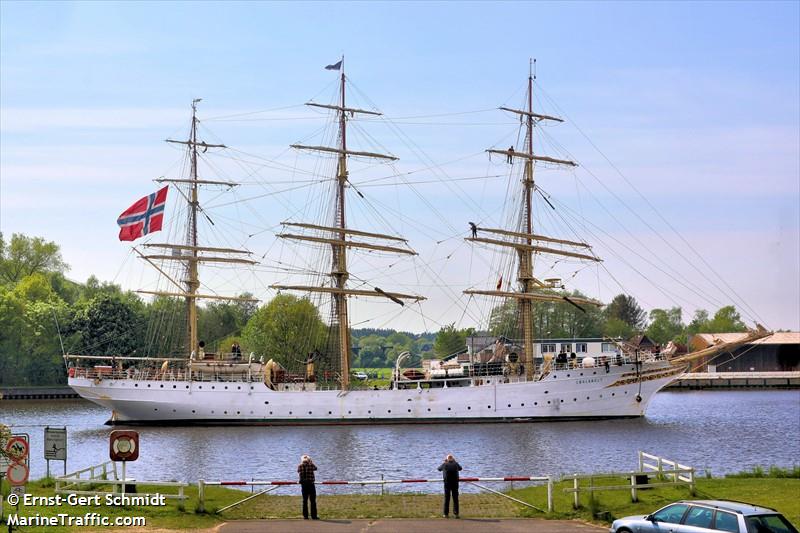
<point>724,431</point>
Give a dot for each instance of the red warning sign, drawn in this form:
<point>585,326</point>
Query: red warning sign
<point>17,474</point>
<point>17,449</point>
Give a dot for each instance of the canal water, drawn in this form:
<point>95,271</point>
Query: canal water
<point>722,431</point>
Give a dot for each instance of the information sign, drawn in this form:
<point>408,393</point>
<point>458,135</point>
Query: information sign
<point>55,444</point>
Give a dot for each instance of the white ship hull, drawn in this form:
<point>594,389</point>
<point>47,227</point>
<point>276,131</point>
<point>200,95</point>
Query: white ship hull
<point>581,393</point>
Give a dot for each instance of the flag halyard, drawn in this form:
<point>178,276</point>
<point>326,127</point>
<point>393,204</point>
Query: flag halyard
<point>143,217</point>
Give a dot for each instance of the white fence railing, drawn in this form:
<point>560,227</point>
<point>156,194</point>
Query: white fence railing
<point>74,482</point>
<point>675,474</point>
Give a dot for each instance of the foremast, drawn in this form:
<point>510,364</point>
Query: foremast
<point>525,242</point>
<point>190,253</point>
<point>339,233</point>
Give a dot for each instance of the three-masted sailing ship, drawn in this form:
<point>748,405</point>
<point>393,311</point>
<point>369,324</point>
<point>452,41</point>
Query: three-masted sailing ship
<point>523,386</point>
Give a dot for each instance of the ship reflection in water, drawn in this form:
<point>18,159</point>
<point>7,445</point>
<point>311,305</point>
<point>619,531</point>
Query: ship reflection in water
<point>725,431</point>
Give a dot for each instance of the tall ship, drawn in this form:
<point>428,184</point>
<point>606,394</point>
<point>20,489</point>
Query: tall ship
<point>516,384</point>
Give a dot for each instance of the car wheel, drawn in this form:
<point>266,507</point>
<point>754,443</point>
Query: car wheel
<point>624,530</point>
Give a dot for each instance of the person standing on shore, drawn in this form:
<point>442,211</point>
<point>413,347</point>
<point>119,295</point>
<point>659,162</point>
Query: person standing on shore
<point>450,469</point>
<point>306,470</point>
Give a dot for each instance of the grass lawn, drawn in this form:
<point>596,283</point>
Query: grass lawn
<point>781,494</point>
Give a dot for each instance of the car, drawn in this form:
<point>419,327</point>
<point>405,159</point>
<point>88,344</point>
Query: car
<point>712,516</point>
<point>361,375</point>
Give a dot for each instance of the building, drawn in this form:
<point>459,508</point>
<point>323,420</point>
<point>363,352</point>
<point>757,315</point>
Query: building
<point>480,348</point>
<point>780,352</point>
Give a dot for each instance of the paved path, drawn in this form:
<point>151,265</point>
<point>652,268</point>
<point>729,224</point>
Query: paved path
<point>463,525</point>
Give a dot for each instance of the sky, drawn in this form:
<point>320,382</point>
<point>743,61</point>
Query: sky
<point>684,117</point>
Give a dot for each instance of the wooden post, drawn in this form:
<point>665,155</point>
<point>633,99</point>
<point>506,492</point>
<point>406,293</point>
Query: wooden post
<point>660,470</point>
<point>691,481</point>
<point>201,496</point>
<point>576,503</point>
<point>549,494</point>
<point>634,493</point>
<point>641,461</point>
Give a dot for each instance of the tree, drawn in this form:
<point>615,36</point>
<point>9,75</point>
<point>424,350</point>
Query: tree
<point>504,320</point>
<point>109,325</point>
<point>699,322</point>
<point>665,325</point>
<point>626,309</point>
<point>449,340</point>
<point>24,256</point>
<point>219,322</point>
<point>287,329</point>
<point>617,328</point>
<point>726,320</point>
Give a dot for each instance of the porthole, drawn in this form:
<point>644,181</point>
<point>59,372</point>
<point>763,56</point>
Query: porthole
<point>148,385</point>
<point>522,405</point>
<point>187,386</point>
<point>330,412</point>
<point>555,376</point>
<point>349,412</point>
<point>389,411</point>
<point>193,411</point>
<point>212,387</point>
<point>226,412</point>
<point>174,411</point>
<point>574,399</point>
<point>567,375</point>
<point>594,373</point>
<point>546,392</point>
<point>562,401</point>
<point>548,402</point>
<point>212,412</point>
<point>174,386</point>
<point>266,403</point>
<point>535,403</point>
<point>409,410</point>
<point>155,409</point>
<point>270,412</point>
<point>238,388</point>
<point>309,412</point>
<point>488,406</point>
<point>581,373</point>
<point>613,393</point>
<point>135,384</point>
<point>201,386</point>
<point>626,392</point>
<point>587,397</point>
<point>238,412</point>
<point>469,408</point>
<point>226,387</point>
<point>509,405</point>
<point>449,408</point>
<point>290,412</point>
<point>162,385</point>
<point>601,395</point>
<point>369,412</point>
<point>408,400</point>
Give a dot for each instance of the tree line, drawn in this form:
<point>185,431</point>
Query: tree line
<point>44,314</point>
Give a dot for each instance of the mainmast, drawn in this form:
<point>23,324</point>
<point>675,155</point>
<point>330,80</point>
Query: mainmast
<point>336,235</point>
<point>525,242</point>
<point>190,252</point>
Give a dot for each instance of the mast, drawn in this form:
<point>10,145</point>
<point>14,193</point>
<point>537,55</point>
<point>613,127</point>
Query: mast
<point>525,275</point>
<point>190,252</point>
<point>337,234</point>
<point>339,270</point>
<point>192,282</point>
<point>525,241</point>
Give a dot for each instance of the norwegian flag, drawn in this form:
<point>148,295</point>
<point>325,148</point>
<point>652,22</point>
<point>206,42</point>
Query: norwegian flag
<point>143,217</point>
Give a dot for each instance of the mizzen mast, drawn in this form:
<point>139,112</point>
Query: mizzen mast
<point>525,241</point>
<point>190,252</point>
<point>337,235</point>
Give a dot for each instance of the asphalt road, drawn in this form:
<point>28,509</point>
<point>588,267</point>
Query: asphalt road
<point>463,525</point>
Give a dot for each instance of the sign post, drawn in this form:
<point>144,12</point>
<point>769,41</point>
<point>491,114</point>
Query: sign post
<point>55,446</point>
<point>17,453</point>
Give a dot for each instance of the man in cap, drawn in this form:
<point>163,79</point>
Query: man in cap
<point>450,469</point>
<point>306,470</point>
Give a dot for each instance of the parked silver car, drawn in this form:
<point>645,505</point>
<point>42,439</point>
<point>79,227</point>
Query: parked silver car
<point>710,516</point>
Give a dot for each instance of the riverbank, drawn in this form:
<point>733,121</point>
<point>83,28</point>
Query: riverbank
<point>778,493</point>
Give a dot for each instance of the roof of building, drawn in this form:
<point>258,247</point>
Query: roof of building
<point>781,337</point>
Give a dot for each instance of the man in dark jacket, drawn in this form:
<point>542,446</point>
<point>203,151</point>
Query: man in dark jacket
<point>450,469</point>
<point>306,470</point>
